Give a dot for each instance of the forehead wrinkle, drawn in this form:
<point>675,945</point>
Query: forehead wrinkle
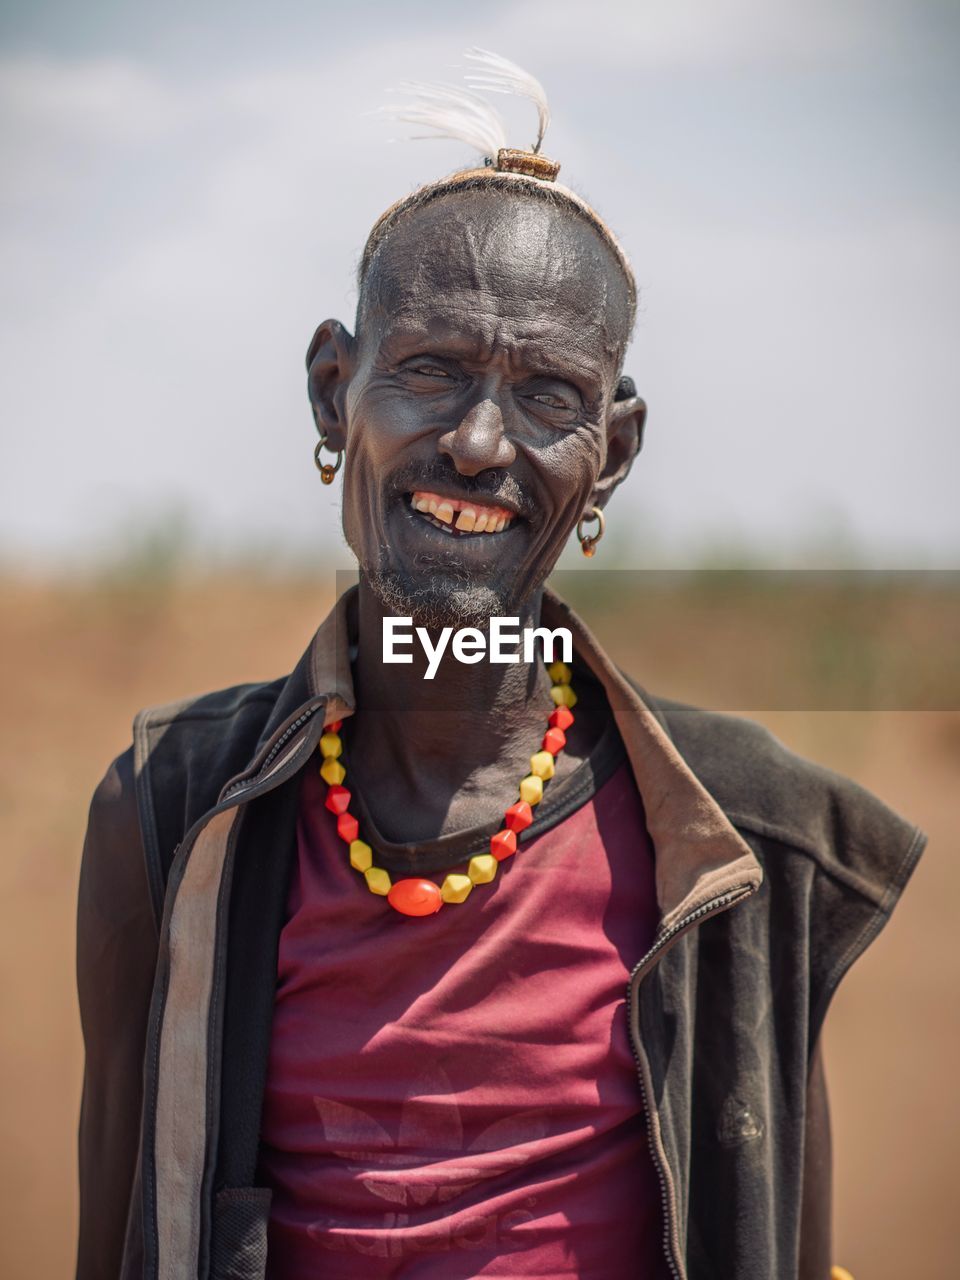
<point>584,260</point>
<point>474,247</point>
<point>415,328</point>
<point>473,255</point>
<point>456,250</point>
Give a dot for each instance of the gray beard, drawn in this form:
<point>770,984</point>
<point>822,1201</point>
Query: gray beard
<point>439,599</point>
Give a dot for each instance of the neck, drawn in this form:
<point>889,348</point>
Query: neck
<point>463,709</point>
<point>425,739</point>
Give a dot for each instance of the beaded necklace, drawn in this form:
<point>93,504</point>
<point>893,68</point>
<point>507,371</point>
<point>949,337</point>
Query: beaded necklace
<point>414,895</point>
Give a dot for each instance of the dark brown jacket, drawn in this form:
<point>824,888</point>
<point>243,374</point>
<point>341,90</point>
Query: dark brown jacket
<point>772,876</point>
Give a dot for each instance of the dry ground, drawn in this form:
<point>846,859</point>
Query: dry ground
<point>76,662</point>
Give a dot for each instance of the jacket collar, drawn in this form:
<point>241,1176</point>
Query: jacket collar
<point>698,854</point>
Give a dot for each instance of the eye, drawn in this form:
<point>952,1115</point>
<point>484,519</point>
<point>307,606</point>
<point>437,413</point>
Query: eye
<point>554,404</point>
<point>428,370</point>
<point>553,394</point>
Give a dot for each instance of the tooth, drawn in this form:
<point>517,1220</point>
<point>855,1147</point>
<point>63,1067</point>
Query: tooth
<point>444,512</point>
<point>422,504</point>
<point>481,523</point>
<point>432,505</point>
<point>467,519</point>
<point>413,502</point>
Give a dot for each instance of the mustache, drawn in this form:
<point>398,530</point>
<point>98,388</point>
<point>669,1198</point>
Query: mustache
<point>493,485</point>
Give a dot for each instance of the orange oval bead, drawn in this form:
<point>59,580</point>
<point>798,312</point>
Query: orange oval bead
<point>415,897</point>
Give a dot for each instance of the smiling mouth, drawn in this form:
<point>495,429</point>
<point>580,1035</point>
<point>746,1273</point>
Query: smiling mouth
<point>460,517</point>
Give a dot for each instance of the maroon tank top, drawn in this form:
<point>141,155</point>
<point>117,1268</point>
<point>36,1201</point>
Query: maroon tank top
<point>456,1096</point>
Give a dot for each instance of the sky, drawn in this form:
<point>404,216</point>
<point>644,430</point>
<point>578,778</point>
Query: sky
<point>186,191</point>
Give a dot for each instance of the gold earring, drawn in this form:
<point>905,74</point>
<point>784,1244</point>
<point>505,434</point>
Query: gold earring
<point>327,469</point>
<point>588,545</point>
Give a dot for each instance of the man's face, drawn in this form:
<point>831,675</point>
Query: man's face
<point>476,412</point>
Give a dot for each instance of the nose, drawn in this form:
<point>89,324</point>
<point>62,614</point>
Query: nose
<point>480,441</point>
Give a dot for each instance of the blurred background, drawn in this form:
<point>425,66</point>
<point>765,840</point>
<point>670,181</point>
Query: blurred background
<point>186,191</point>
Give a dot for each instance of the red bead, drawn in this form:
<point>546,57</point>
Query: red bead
<point>333,727</point>
<point>503,844</point>
<point>561,718</point>
<point>519,816</point>
<point>415,897</point>
<point>338,799</point>
<point>554,740</point>
<point>348,828</point>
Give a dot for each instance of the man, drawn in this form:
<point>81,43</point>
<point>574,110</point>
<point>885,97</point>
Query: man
<point>354,945</point>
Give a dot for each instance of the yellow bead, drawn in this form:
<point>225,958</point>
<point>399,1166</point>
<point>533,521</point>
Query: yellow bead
<point>330,746</point>
<point>361,855</point>
<point>542,765</point>
<point>332,772</point>
<point>378,880</point>
<point>563,695</point>
<point>559,673</point>
<point>455,888</point>
<point>482,867</point>
<point>531,789</point>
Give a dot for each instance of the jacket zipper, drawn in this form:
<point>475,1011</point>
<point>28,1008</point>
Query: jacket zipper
<point>671,1235</point>
<point>272,754</point>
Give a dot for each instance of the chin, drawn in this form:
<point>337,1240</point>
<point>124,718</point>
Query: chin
<point>441,598</point>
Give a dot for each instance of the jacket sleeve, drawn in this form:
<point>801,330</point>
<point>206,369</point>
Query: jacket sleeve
<point>116,958</point>
<point>816,1215</point>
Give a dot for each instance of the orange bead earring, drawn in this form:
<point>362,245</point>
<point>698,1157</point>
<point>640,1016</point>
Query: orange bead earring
<point>588,544</point>
<point>327,469</point>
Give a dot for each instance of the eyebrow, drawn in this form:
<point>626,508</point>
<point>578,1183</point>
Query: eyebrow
<point>587,377</point>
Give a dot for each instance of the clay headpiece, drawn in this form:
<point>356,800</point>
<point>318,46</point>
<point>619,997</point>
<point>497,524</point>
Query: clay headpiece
<point>463,114</point>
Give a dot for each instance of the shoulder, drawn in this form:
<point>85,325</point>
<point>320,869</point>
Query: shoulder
<point>213,733</point>
<point>113,889</point>
<point>113,807</point>
<point>836,859</point>
<point>769,791</point>
<point>183,754</point>
<point>235,703</point>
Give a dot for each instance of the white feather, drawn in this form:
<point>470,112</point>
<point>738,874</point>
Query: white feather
<point>498,75</point>
<point>450,112</point>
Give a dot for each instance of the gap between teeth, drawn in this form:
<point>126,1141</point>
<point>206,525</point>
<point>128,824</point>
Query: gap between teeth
<point>468,518</point>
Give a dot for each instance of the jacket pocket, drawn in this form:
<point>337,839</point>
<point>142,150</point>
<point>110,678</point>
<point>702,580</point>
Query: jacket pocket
<point>238,1245</point>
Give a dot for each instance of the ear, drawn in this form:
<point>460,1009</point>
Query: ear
<point>331,358</point>
<point>626,420</point>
